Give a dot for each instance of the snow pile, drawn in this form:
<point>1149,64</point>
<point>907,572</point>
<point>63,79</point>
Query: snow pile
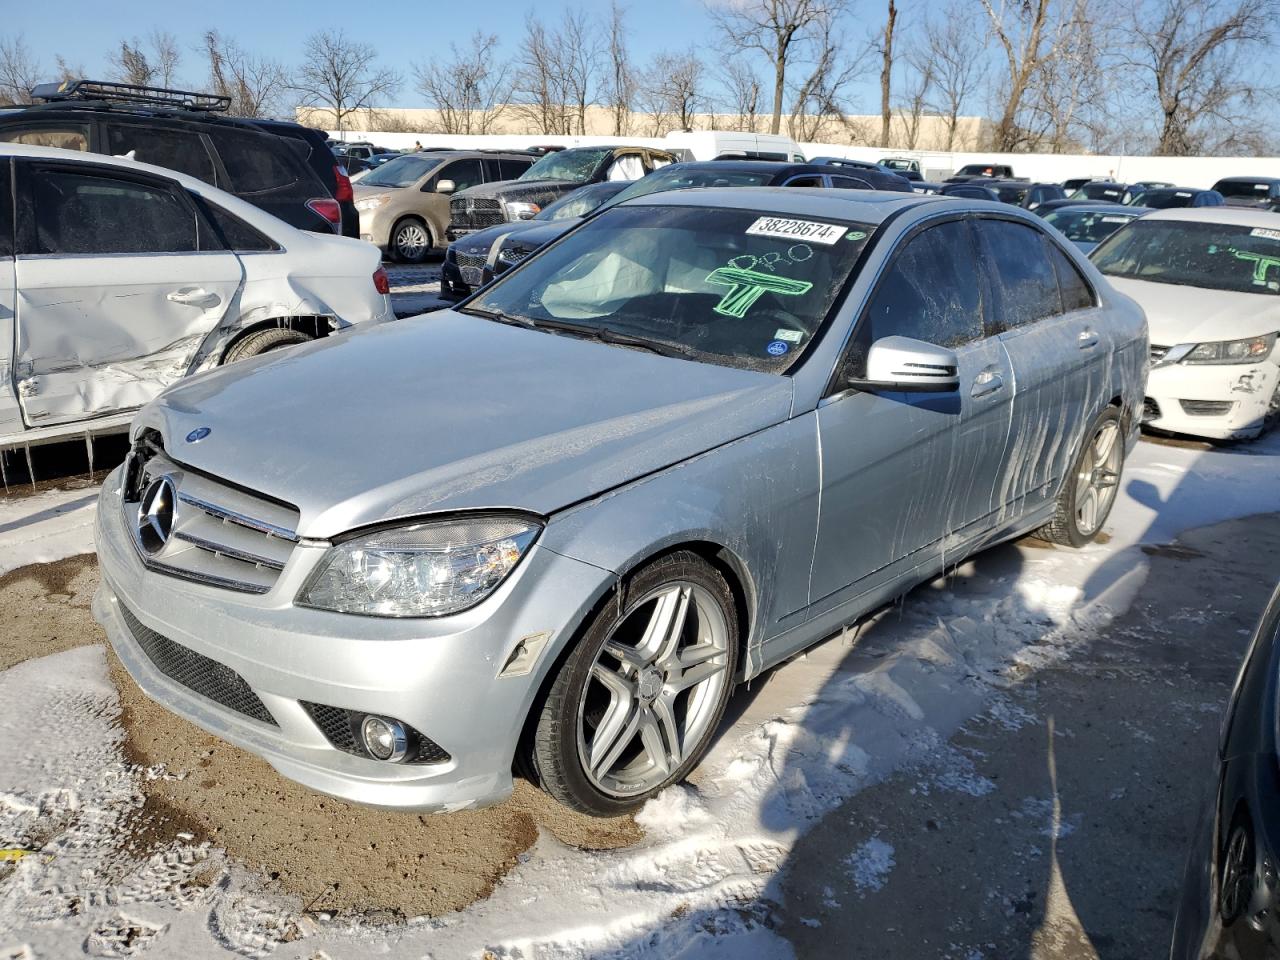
<point>46,526</point>
<point>702,883</point>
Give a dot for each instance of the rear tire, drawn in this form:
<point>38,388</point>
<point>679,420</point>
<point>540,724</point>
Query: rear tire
<point>1089,491</point>
<point>264,341</point>
<point>641,696</point>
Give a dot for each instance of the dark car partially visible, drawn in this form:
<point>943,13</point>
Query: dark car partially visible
<point>1249,191</point>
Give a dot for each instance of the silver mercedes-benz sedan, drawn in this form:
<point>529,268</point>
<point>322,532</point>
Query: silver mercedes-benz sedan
<point>552,528</point>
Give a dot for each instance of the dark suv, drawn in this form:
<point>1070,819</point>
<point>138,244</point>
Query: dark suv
<point>549,179</point>
<point>279,166</point>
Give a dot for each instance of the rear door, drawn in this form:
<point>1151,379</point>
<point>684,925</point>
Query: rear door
<point>117,288</point>
<point>10,416</point>
<point>1048,320</point>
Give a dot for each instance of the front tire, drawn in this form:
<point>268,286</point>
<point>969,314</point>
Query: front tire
<point>411,240</point>
<point>1089,491</point>
<point>640,697</point>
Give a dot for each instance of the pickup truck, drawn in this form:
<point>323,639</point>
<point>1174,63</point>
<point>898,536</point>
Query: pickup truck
<point>974,171</point>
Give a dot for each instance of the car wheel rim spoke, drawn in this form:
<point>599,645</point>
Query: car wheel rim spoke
<point>654,689</point>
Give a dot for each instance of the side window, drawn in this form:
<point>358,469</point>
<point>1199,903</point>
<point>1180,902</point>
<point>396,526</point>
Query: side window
<point>658,160</point>
<point>463,173</point>
<point>629,166</point>
<point>184,152</point>
<point>813,181</point>
<point>1075,289</point>
<point>6,208</point>
<point>221,230</point>
<point>927,293</point>
<point>84,213</point>
<point>492,171</point>
<point>511,169</point>
<point>255,163</point>
<point>850,183</point>
<point>1023,281</point>
<point>70,136</point>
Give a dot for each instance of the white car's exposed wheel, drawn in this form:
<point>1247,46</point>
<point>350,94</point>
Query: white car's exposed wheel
<point>411,241</point>
<point>640,697</point>
<point>264,341</point>
<point>1089,491</point>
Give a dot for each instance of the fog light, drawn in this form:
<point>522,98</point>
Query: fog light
<point>384,739</point>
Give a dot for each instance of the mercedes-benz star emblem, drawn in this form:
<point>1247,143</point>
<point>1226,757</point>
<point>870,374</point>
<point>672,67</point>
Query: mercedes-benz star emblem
<point>198,434</point>
<point>156,512</point>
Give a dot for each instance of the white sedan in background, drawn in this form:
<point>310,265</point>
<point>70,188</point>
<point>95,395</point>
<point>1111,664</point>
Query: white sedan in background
<point>1209,281</point>
<point>118,278</point>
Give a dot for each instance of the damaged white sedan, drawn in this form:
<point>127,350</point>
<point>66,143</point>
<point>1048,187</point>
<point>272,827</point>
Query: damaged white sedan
<point>1209,281</point>
<point>118,278</point>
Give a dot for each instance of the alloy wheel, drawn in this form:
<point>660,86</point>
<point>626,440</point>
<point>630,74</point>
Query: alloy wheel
<point>411,241</point>
<point>1237,876</point>
<point>1098,478</point>
<point>654,690</point>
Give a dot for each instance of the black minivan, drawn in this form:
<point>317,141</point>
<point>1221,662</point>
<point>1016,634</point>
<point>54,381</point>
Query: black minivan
<point>279,166</point>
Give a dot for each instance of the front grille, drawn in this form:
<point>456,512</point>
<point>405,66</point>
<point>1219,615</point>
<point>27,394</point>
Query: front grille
<point>466,213</point>
<point>341,728</point>
<point>1150,410</point>
<point>1158,353</point>
<point>212,680</point>
<point>219,535</point>
<point>471,266</point>
<point>1206,408</point>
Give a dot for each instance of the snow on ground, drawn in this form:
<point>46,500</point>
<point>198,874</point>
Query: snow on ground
<point>700,884</point>
<point>47,526</point>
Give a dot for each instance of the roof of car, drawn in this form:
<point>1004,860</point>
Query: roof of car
<point>1106,209</point>
<point>864,206</point>
<point>1249,179</point>
<point>1241,216</point>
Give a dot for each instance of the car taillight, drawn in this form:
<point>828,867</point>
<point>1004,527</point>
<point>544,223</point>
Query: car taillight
<point>343,192</point>
<point>326,208</point>
<point>381,282</point>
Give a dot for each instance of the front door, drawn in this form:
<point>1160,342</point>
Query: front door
<point>902,471</point>
<point>114,293</point>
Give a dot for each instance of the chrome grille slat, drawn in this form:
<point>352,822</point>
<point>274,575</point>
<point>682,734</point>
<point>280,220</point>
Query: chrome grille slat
<point>222,513</point>
<point>223,550</point>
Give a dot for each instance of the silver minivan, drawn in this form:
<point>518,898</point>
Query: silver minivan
<point>552,528</point>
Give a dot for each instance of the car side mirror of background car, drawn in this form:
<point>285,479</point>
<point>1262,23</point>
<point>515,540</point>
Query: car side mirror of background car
<point>445,186</point>
<point>906,364</point>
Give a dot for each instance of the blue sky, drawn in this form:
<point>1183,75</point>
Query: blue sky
<point>404,33</point>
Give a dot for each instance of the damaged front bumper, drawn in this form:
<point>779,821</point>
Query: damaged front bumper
<point>1220,402</point>
<point>451,678</point>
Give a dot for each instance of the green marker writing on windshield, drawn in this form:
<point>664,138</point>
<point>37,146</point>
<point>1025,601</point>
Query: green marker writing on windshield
<point>748,286</point>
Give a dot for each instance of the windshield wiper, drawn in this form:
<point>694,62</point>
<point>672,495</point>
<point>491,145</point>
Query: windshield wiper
<point>500,317</point>
<point>607,335</point>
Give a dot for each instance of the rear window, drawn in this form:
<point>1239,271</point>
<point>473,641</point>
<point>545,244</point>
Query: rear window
<point>1260,190</point>
<point>256,163</point>
<point>1215,256</point>
<point>184,152</point>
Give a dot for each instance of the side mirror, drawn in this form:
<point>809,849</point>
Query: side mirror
<point>902,363</point>
<point>445,186</point>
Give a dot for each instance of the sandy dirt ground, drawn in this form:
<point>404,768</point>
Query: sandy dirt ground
<point>334,856</point>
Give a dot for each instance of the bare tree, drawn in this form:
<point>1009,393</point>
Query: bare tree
<point>1193,52</point>
<point>955,51</point>
<point>152,62</point>
<point>774,28</point>
<point>743,88</point>
<point>886,72</point>
<point>556,73</point>
<point>19,71</point>
<point>341,76</point>
<point>1067,93</point>
<point>671,91</point>
<point>1020,27</point>
<point>817,104</point>
<point>471,90</point>
<point>256,86</point>
<point>915,102</point>
<point>619,86</point>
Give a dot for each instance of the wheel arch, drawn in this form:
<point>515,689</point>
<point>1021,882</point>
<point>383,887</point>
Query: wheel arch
<point>313,325</point>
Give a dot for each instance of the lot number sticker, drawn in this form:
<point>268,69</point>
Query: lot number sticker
<point>807,230</point>
<point>1263,232</point>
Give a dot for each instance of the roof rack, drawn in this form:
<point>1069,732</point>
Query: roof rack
<point>99,90</point>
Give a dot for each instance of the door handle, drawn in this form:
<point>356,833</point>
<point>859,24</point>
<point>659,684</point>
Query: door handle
<point>194,297</point>
<point>1088,339</point>
<point>986,383</point>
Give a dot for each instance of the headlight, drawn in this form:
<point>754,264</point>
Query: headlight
<point>371,203</point>
<point>1233,351</point>
<point>424,570</point>
<point>521,210</point>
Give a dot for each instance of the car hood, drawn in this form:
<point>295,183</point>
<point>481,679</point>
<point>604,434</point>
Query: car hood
<point>448,412</point>
<point>1181,314</point>
<point>538,191</point>
<point>481,242</point>
<point>362,190</point>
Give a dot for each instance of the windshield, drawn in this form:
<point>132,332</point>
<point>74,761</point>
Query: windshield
<point>1100,191</point>
<point>739,288</point>
<point>677,178</point>
<point>1087,226</point>
<point>576,165</point>
<point>401,172</point>
<point>1217,256</point>
<point>1162,199</point>
<point>1244,188</point>
<point>1012,194</point>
